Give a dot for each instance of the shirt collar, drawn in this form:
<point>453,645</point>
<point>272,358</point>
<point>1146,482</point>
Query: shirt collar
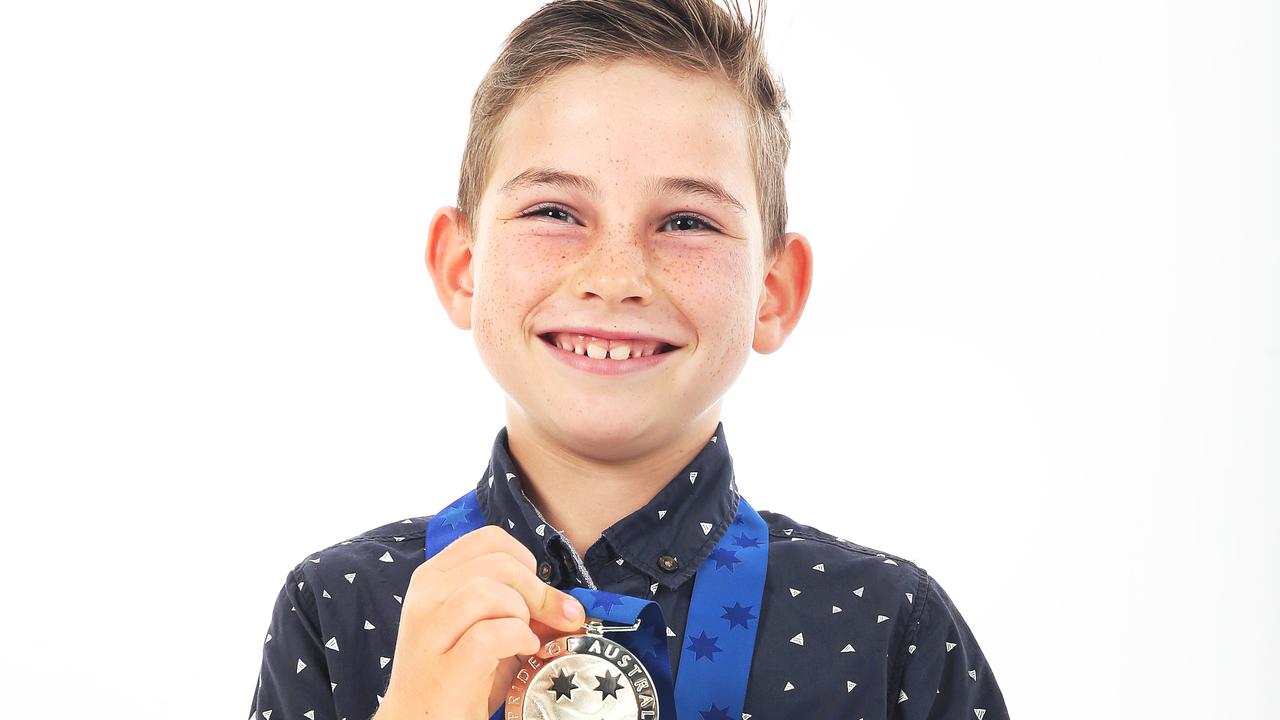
<point>684,521</point>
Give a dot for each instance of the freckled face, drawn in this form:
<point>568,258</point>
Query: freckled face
<point>619,260</point>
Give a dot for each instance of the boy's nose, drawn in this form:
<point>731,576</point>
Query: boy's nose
<point>616,273</point>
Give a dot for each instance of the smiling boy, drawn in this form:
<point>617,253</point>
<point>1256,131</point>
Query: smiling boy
<point>617,251</point>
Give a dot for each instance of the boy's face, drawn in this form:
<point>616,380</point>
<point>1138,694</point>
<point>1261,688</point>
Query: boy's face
<point>618,260</point>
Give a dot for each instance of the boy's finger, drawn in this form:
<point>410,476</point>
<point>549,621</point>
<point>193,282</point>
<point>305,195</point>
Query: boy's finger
<point>549,605</point>
<point>546,603</point>
<point>547,633</point>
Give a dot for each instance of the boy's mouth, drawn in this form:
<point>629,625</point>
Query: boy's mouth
<point>601,348</point>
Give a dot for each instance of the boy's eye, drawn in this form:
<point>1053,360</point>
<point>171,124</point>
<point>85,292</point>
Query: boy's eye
<point>554,210</point>
<point>541,209</point>
<point>686,217</point>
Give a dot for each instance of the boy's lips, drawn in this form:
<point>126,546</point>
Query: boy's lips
<point>604,366</point>
<point>610,335</point>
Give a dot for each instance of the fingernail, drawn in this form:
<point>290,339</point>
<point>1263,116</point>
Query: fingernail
<point>571,608</point>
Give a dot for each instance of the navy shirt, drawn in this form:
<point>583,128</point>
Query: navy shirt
<point>845,631</point>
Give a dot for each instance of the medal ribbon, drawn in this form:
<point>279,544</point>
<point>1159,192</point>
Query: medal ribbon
<point>720,629</point>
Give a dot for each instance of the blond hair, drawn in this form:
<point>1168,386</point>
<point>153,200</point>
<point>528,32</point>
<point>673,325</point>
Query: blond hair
<point>696,35</point>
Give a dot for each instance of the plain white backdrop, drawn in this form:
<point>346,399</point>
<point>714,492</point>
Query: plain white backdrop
<point>1039,357</point>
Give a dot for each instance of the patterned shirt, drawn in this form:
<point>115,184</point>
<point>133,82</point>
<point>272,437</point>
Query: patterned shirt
<point>845,631</point>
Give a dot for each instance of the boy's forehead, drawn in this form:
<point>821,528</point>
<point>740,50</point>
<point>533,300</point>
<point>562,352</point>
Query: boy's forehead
<point>629,122</point>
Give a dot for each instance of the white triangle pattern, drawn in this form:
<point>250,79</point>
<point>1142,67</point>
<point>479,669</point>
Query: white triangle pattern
<point>819,596</point>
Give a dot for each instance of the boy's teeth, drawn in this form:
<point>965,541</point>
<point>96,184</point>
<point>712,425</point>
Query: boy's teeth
<point>600,348</point>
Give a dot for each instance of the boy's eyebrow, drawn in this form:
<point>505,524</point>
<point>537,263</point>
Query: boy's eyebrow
<point>705,187</point>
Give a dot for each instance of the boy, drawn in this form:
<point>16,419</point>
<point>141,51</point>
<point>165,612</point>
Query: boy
<point>618,249</point>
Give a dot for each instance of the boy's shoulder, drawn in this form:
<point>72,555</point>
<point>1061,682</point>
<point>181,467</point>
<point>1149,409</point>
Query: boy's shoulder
<point>394,548</point>
<point>819,555</point>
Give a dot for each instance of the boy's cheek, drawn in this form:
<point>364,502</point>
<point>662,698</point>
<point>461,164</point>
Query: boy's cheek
<point>521,267</point>
<point>710,280</point>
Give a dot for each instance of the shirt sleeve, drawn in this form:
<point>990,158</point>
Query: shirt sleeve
<point>945,675</point>
<point>294,677</point>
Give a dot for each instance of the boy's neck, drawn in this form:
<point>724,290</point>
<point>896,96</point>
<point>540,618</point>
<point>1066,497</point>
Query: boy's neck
<point>583,494</point>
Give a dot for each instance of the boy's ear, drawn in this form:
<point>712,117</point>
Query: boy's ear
<point>786,289</point>
<point>449,262</point>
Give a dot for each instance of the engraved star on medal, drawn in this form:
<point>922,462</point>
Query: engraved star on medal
<point>543,687</point>
<point>562,685</point>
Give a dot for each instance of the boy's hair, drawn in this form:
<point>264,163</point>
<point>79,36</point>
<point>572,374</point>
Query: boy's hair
<point>696,35</point>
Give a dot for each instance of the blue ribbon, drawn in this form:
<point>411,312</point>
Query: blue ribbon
<point>720,629</point>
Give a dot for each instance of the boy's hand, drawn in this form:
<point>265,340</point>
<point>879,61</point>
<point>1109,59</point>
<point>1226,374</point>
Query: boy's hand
<point>472,614</point>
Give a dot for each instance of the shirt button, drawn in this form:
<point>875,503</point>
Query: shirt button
<point>668,563</point>
<point>544,571</point>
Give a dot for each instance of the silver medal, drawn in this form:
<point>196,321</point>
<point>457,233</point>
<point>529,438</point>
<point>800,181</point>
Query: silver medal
<point>583,676</point>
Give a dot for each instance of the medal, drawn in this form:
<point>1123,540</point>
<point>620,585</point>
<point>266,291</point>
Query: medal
<point>587,676</point>
<point>583,675</point>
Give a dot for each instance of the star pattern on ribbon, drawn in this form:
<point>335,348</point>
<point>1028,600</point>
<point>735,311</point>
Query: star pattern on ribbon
<point>737,615</point>
<point>715,713</point>
<point>657,644</point>
<point>724,558</point>
<point>603,599</point>
<point>704,646</point>
<point>456,515</point>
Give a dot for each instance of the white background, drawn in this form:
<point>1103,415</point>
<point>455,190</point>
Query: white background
<point>1039,358</point>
